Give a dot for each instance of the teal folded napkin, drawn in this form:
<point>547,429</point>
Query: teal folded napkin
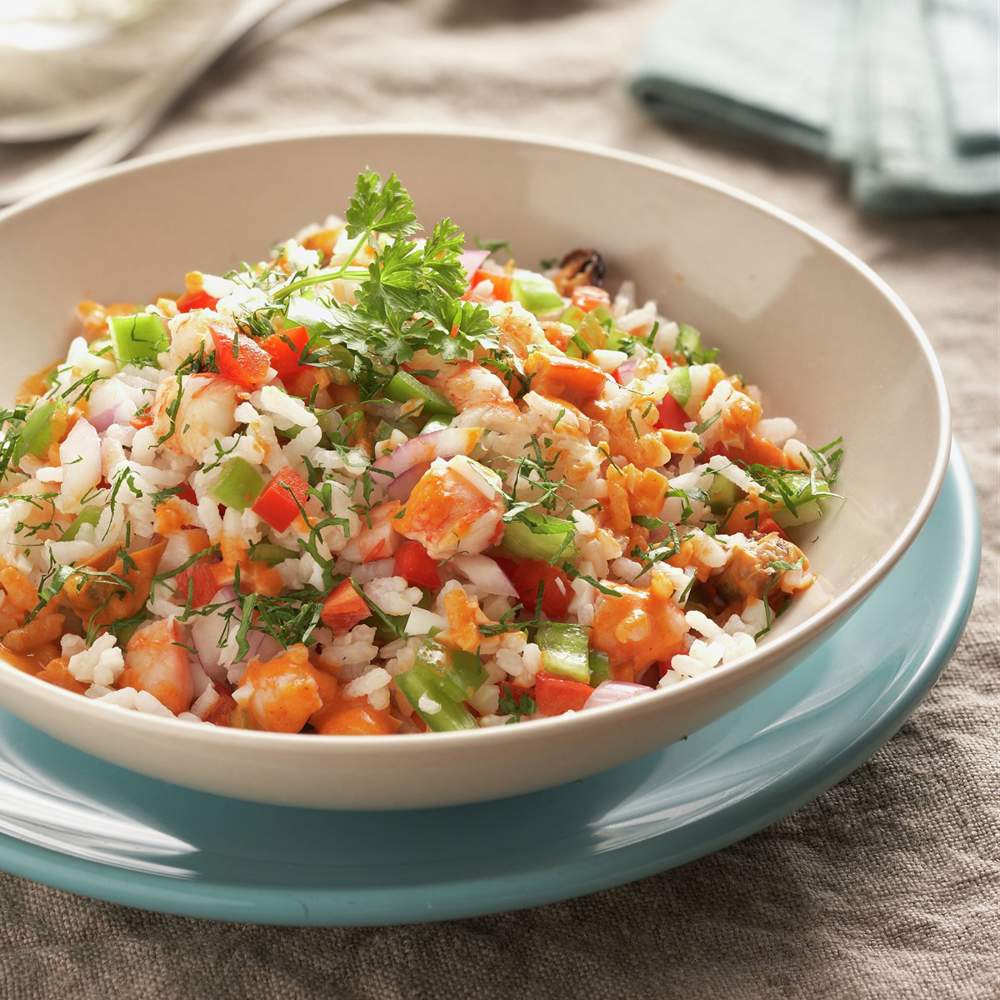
<point>903,92</point>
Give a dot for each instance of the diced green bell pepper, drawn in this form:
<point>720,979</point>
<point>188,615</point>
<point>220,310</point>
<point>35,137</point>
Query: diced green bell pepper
<point>460,674</point>
<point>87,515</point>
<point>239,484</point>
<point>679,384</point>
<point>565,650</point>
<point>536,293</point>
<point>422,680</point>
<point>36,431</point>
<point>538,536</point>
<point>403,386</point>
<point>268,552</point>
<point>600,667</point>
<point>138,338</point>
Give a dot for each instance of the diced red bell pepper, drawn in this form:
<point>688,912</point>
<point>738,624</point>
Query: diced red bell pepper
<point>285,349</point>
<point>415,566</point>
<point>344,608</point>
<point>672,415</point>
<point>555,695</point>
<point>241,361</point>
<point>589,297</point>
<point>503,287</point>
<point>143,420</point>
<point>186,492</point>
<point>196,300</point>
<point>281,499</point>
<point>527,574</point>
<point>198,579</point>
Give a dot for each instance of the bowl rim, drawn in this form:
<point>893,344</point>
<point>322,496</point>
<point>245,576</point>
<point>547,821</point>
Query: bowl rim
<point>781,646</point>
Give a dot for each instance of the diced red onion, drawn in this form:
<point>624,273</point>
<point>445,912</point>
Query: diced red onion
<point>612,692</point>
<point>205,633</point>
<point>472,261</point>
<point>207,629</point>
<point>401,487</point>
<point>263,647</point>
<point>484,574</point>
<point>626,370</point>
<point>446,443</point>
<point>103,420</point>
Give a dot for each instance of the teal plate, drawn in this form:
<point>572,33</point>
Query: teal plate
<point>71,821</point>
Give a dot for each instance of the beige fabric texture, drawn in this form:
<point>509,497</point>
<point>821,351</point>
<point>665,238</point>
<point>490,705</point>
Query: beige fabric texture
<point>888,885</point>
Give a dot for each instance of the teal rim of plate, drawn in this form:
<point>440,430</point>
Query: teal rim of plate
<point>413,903</point>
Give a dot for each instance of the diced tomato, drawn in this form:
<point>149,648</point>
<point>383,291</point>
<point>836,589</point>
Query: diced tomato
<point>555,695</point>
<point>199,580</point>
<point>285,349</point>
<point>241,361</point>
<point>415,566</point>
<point>672,415</point>
<point>281,499</point>
<point>527,574</point>
<point>143,420</point>
<point>344,608</point>
<point>503,288</point>
<point>589,297</point>
<point>196,300</point>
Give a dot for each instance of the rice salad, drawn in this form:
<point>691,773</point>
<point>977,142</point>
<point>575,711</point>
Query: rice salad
<point>381,483</point>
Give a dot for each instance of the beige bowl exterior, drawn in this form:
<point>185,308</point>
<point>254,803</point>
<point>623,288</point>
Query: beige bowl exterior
<point>831,345</point>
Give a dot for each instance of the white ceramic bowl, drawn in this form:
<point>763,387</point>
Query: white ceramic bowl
<point>831,344</point>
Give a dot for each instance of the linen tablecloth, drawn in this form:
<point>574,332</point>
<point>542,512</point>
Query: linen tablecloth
<point>886,886</point>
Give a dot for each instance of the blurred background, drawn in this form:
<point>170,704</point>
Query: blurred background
<point>875,120</point>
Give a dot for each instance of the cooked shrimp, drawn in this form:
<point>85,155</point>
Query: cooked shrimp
<point>467,384</point>
<point>205,413</point>
<point>342,716</point>
<point>155,661</point>
<point>637,628</point>
<point>519,330</point>
<point>281,694</point>
<point>376,540</point>
<point>456,506</point>
<point>478,394</point>
<point>754,568</point>
<point>103,599</point>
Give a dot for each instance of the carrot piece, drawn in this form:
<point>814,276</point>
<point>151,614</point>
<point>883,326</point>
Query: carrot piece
<point>503,286</point>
